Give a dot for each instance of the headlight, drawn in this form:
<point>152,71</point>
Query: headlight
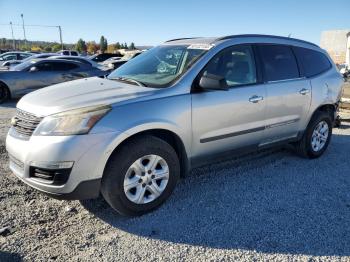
<point>74,122</point>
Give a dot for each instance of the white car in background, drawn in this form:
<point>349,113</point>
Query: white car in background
<point>10,56</point>
<point>35,56</point>
<point>68,53</point>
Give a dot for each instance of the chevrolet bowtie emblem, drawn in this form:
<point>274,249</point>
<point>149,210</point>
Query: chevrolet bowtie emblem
<point>14,121</point>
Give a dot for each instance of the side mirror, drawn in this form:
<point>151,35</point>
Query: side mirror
<point>213,82</point>
<point>33,69</point>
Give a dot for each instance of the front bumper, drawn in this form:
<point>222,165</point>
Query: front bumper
<point>87,152</point>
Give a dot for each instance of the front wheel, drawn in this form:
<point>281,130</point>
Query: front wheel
<point>316,137</point>
<point>140,176</point>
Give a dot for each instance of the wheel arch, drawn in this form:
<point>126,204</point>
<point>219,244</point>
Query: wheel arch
<point>328,108</point>
<point>2,83</point>
<point>166,135</point>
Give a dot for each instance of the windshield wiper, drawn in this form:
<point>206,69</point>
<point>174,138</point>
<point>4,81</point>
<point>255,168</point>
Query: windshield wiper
<point>130,80</point>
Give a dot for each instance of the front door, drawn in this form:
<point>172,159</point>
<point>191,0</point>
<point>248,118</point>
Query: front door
<point>226,120</point>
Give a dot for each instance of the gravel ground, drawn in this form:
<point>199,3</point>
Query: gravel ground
<point>267,206</point>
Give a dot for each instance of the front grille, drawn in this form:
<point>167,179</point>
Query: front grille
<point>25,123</point>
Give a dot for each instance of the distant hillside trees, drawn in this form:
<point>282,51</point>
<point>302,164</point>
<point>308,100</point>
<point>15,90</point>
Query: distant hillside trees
<point>81,46</point>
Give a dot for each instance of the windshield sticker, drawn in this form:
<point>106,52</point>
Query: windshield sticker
<point>200,46</point>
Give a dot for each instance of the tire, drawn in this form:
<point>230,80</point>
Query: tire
<point>129,165</point>
<point>305,147</point>
<point>4,93</point>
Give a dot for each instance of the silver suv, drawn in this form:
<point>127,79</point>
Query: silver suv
<point>132,135</point>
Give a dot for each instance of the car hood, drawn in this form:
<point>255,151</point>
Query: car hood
<point>80,93</point>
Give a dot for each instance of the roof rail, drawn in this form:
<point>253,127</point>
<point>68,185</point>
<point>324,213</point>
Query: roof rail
<point>184,38</point>
<point>271,36</point>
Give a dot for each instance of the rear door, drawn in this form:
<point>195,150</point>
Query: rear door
<point>226,120</point>
<point>288,93</point>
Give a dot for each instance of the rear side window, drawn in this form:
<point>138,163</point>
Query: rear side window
<point>313,62</point>
<point>63,66</point>
<point>278,62</point>
<point>74,53</point>
<point>45,66</point>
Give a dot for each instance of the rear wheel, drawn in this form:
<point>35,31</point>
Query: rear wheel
<point>140,176</point>
<point>316,137</point>
<point>4,93</point>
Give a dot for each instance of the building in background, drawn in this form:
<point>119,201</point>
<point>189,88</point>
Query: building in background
<point>337,44</point>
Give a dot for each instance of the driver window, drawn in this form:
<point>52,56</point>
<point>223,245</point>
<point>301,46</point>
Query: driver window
<point>236,64</point>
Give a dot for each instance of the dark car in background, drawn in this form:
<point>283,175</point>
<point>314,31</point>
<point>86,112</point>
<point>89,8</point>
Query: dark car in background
<point>35,74</point>
<point>102,57</point>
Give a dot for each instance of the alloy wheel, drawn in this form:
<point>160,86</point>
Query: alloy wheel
<point>146,179</point>
<point>319,136</point>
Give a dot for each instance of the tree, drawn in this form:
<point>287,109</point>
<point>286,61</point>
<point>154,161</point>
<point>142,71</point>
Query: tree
<point>35,48</point>
<point>56,47</point>
<point>132,46</point>
<point>92,47</point>
<point>111,48</point>
<point>81,46</point>
<point>48,48</point>
<point>126,46</point>
<point>118,46</point>
<point>103,44</point>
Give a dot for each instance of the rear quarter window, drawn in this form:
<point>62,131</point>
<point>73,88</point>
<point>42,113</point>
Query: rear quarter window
<point>312,62</point>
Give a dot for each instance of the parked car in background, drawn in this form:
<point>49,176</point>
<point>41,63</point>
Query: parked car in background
<point>132,135</point>
<point>344,70</point>
<point>2,51</point>
<point>83,60</point>
<point>102,57</point>
<point>109,60</point>
<point>68,53</point>
<point>38,73</point>
<point>14,56</point>
<point>34,56</point>
<point>114,64</point>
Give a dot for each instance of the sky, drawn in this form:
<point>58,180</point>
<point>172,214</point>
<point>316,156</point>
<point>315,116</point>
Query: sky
<point>151,22</point>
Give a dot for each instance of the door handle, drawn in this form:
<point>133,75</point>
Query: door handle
<point>255,99</point>
<point>304,91</point>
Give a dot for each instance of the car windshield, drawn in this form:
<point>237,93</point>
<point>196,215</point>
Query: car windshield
<point>159,66</point>
<point>23,66</point>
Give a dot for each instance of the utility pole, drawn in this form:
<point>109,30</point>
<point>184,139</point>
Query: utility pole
<point>24,32</point>
<point>13,38</point>
<point>60,31</point>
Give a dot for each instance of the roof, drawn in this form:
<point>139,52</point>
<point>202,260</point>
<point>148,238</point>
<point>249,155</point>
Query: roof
<point>212,40</point>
